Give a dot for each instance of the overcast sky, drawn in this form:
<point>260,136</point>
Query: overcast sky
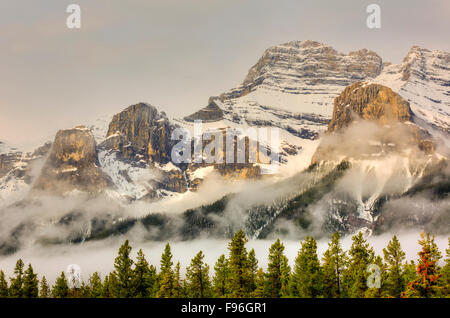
<point>173,53</point>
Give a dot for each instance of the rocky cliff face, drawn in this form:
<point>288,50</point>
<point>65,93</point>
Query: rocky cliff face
<point>370,102</point>
<point>72,164</point>
<point>423,80</point>
<point>140,132</point>
<point>394,132</point>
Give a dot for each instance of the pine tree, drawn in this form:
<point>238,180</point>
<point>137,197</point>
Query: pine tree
<point>166,275</point>
<point>30,283</point>
<point>426,284</point>
<point>108,286</point>
<point>445,280</point>
<point>275,269</point>
<point>379,278</point>
<point>61,288</point>
<point>143,277</point>
<point>239,280</point>
<point>307,279</point>
<point>16,287</point>
<point>260,284</point>
<point>3,285</point>
<point>285,277</point>
<point>178,284</point>
<point>355,277</point>
<point>44,289</point>
<point>122,284</point>
<point>221,276</point>
<point>409,272</point>
<point>394,258</point>
<point>335,261</point>
<point>95,286</point>
<point>253,268</point>
<point>197,276</point>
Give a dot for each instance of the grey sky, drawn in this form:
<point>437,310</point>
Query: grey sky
<point>173,53</point>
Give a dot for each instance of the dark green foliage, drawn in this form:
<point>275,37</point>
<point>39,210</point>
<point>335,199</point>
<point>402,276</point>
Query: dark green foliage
<point>61,288</point>
<point>16,287</point>
<point>307,279</point>
<point>197,277</point>
<point>394,258</point>
<point>30,283</point>
<point>221,277</point>
<point>44,289</point>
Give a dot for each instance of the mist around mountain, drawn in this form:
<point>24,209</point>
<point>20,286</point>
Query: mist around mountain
<point>363,146</point>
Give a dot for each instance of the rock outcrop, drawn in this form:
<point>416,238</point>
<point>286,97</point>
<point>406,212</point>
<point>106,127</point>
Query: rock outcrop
<point>394,130</point>
<point>371,102</point>
<point>72,164</point>
<point>140,132</point>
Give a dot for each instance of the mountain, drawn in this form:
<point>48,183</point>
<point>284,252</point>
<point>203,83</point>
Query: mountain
<point>356,134</point>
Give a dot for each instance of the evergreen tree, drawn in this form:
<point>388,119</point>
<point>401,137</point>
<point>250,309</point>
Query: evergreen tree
<point>307,279</point>
<point>221,275</point>
<point>143,277</point>
<point>355,277</point>
<point>122,284</point>
<point>239,279</point>
<point>379,278</point>
<point>253,269</point>
<point>394,258</point>
<point>178,284</point>
<point>108,286</point>
<point>275,268</point>
<point>166,275</point>
<point>61,288</point>
<point>446,272</point>
<point>3,285</point>
<point>335,261</point>
<point>409,272</point>
<point>285,277</point>
<point>30,283</point>
<point>16,287</point>
<point>197,276</point>
<point>260,284</point>
<point>95,286</point>
<point>44,289</point>
<point>426,284</point>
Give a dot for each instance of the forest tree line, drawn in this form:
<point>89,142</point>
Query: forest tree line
<point>338,274</point>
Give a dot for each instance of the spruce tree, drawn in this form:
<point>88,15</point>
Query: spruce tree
<point>3,285</point>
<point>108,286</point>
<point>426,284</point>
<point>61,288</point>
<point>394,258</point>
<point>260,283</point>
<point>275,270</point>
<point>285,277</point>
<point>143,277</point>
<point>253,269</point>
<point>197,277</point>
<point>166,275</point>
<point>30,283</point>
<point>178,284</point>
<point>122,284</point>
<point>335,261</point>
<point>16,286</point>
<point>355,277</point>
<point>379,278</point>
<point>445,272</point>
<point>95,286</point>
<point>239,280</point>
<point>44,289</point>
<point>307,279</point>
<point>221,276</point>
